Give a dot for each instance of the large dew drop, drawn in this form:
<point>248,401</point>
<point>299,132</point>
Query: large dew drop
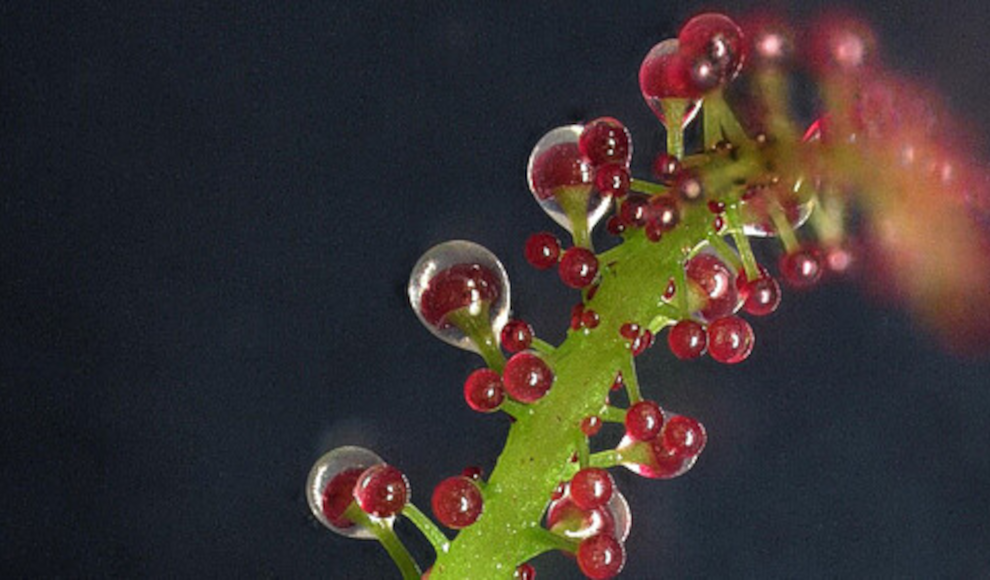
<point>665,81</point>
<point>460,292</point>
<point>329,488</point>
<point>562,181</point>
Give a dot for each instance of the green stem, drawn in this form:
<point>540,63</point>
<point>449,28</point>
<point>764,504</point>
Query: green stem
<point>631,381</point>
<point>742,243</point>
<point>605,459</point>
<point>542,347</point>
<point>784,230</point>
<point>478,327</point>
<point>574,203</point>
<point>643,186</point>
<point>430,531</point>
<point>612,414</point>
<point>382,530</point>
<point>725,250</point>
<point>673,112</point>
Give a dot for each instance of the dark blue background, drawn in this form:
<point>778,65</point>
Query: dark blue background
<point>209,211</point>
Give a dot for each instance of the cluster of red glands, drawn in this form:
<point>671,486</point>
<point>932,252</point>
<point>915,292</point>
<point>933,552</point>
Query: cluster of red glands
<point>577,173</point>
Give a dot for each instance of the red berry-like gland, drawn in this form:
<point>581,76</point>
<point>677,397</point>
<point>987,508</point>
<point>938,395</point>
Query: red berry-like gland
<point>664,212</point>
<point>612,180</point>
<point>761,296</point>
<point>542,250</point>
<point>769,40</point>
<point>630,330</point>
<point>601,557</point>
<point>483,390</point>
<point>526,377</point>
<point>460,286</point>
<point>615,225</point>
<point>577,316</point>
<point>644,420</point>
<point>591,425</point>
<point>670,290</point>
<point>524,572</point>
<point>338,495</point>
<point>457,502</point>
<point>589,319</point>
<point>688,186</point>
<point>641,343</point>
<point>665,168</point>
<point>516,335</point>
<point>714,45</point>
<point>683,437</point>
<point>801,268</point>
<point>382,491</point>
<point>619,382</point>
<point>578,267</point>
<point>605,140</point>
<point>633,211</point>
<point>841,44</point>
<point>715,282</point>
<point>730,340</point>
<point>560,166</point>
<point>472,472</point>
<point>591,488</point>
<point>687,340</point>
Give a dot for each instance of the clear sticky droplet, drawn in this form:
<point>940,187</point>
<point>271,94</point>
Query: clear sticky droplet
<point>329,488</point>
<point>665,75</point>
<point>658,463</point>
<point>562,180</point>
<point>621,515</point>
<point>760,203</point>
<point>460,282</point>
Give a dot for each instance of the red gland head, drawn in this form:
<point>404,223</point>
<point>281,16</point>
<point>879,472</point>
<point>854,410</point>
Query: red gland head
<point>687,340</point>
<point>591,488</point>
<point>644,420</point>
<point>382,491</point>
<point>461,287</point>
<point>560,167</point>
<point>483,390</point>
<point>601,557</point>
<point>606,140</point>
<point>526,377</point>
<point>714,283</point>
<point>578,267</point>
<point>841,44</point>
<point>330,488</point>
<point>801,268</point>
<point>683,437</point>
<point>612,180</point>
<point>665,168</point>
<point>542,250</point>
<point>666,74</point>
<point>524,572</point>
<point>761,296</point>
<point>769,40</point>
<point>713,44</point>
<point>457,502</point>
<point>517,335</point>
<point>338,495</point>
<point>730,340</point>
